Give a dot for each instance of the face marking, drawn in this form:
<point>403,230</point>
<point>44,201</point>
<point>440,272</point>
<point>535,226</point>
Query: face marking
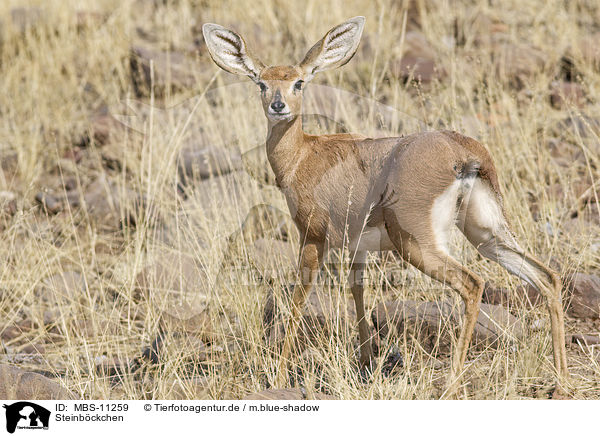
<point>280,97</point>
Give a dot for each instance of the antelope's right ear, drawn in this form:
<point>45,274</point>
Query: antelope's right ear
<point>228,50</point>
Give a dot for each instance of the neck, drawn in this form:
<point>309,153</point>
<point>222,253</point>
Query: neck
<point>283,140</point>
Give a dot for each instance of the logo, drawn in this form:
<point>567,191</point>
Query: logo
<point>26,415</point>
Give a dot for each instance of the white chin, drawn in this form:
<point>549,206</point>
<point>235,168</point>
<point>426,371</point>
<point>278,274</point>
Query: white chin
<point>278,117</point>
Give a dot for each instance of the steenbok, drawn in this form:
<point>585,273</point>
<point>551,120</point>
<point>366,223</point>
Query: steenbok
<point>399,193</point>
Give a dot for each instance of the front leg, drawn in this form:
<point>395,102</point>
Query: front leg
<point>357,287</point>
<point>310,259</point>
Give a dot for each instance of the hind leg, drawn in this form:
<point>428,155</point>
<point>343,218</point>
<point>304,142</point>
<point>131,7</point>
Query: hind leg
<point>424,253</point>
<point>483,223</point>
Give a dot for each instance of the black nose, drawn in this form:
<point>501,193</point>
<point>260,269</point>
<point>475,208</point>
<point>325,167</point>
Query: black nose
<point>277,106</point>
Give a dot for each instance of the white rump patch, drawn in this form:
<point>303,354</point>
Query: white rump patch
<point>443,215</point>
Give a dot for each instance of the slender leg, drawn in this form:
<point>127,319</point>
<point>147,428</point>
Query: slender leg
<point>310,258</point>
<point>357,288</point>
<point>470,287</point>
<point>494,240</point>
<point>503,249</point>
<point>427,257</point>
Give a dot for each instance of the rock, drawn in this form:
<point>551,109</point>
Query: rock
<point>102,129</point>
<point>94,329</point>
<point>171,274</point>
<point>65,287</point>
<point>434,323</point>
<point>202,162</point>
<point>580,126</point>
<point>585,339</point>
<point>417,61</point>
<point>114,368</point>
<point>32,349</point>
<point>287,394</point>
<point>188,318</point>
<point>189,348</point>
<point>267,222</point>
<point>50,203</point>
<point>564,94</point>
<point>256,164</point>
<point>171,70</point>
<point>516,61</point>
<point>8,203</point>
<point>109,205</point>
<point>273,258</point>
<point>195,388</point>
<point>323,314</point>
<point>23,19</point>
<point>583,296</point>
<point>17,384</point>
<point>11,332</point>
<point>504,297</point>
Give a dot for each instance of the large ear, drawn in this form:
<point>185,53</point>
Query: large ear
<point>228,50</point>
<point>335,49</point>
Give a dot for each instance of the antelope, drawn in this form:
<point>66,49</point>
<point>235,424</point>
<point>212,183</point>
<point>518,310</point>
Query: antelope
<point>373,194</point>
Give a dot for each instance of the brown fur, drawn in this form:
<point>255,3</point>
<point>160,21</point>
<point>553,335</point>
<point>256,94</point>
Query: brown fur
<point>287,73</point>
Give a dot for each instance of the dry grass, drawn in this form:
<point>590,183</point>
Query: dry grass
<point>56,72</point>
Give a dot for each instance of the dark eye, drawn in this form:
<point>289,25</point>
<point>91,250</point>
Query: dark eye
<point>262,86</point>
<point>298,85</point>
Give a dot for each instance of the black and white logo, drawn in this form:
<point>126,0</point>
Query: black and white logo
<point>26,415</point>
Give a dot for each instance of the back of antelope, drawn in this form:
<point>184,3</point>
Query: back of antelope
<point>399,193</point>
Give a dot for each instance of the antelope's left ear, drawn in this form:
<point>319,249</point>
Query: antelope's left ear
<point>335,49</point>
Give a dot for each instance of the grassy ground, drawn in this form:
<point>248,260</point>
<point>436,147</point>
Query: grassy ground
<point>496,63</point>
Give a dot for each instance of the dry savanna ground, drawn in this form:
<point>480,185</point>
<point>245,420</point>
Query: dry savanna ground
<point>136,202</point>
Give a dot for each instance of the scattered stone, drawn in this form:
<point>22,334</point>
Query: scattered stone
<point>24,19</point>
<point>171,274</point>
<point>580,126</point>
<point>287,394</point>
<point>50,203</point>
<point>516,62</point>
<point>162,70</point>
<point>583,296</point>
<point>585,339</point>
<point>564,94</point>
<point>8,203</point>
<point>17,384</point>
<point>102,129</point>
<point>114,368</point>
<point>11,332</point>
<point>434,323</point>
<point>73,154</point>
<point>32,349</point>
<point>504,297</point>
<point>417,61</point>
<point>64,287</point>
<point>195,388</point>
<point>323,314</point>
<point>266,222</point>
<point>203,162</point>
<point>273,258</point>
<point>111,206</point>
<point>256,164</point>
<point>188,318</point>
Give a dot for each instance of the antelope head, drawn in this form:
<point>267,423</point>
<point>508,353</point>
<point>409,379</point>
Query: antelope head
<point>281,86</point>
